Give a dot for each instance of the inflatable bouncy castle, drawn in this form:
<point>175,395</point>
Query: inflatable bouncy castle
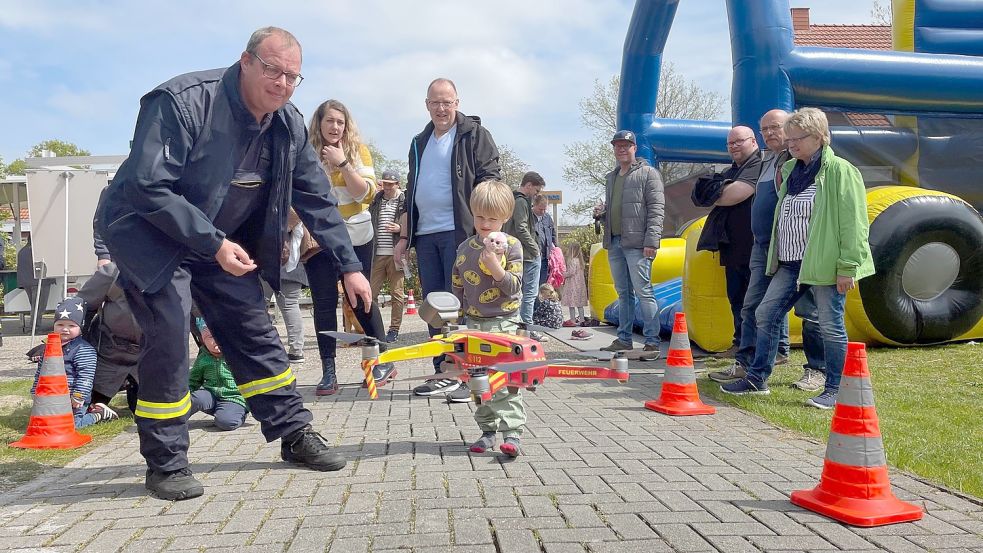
<point>926,150</point>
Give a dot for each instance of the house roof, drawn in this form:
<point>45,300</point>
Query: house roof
<point>5,213</point>
<point>870,37</point>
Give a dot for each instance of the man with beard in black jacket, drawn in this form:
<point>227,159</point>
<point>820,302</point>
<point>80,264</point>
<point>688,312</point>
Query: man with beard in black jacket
<point>447,160</point>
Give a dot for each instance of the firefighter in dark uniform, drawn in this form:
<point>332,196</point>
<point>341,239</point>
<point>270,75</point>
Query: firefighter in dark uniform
<point>217,159</point>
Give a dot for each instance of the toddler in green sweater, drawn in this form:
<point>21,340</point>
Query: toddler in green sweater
<point>214,391</point>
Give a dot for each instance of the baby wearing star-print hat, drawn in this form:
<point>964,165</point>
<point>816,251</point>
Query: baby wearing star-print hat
<point>71,309</point>
<point>80,363</point>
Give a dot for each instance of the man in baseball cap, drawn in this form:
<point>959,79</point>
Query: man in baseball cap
<point>632,212</point>
<point>624,135</point>
<point>388,210</point>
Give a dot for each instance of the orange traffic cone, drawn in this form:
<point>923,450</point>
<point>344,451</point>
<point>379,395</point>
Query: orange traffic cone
<point>679,395</point>
<point>52,425</point>
<point>410,303</point>
<point>854,487</point>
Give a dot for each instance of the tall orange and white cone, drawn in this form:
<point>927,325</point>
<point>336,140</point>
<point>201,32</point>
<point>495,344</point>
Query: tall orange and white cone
<point>410,303</point>
<point>680,396</point>
<point>52,424</point>
<point>854,487</point>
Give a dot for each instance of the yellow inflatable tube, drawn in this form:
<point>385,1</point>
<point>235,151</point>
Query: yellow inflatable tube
<point>668,264</point>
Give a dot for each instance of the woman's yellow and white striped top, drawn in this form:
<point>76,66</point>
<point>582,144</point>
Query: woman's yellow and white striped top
<point>347,204</point>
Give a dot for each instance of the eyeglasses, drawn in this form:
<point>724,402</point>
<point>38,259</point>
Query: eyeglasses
<point>738,142</point>
<point>271,71</point>
<point>770,128</point>
<point>446,104</point>
<point>623,146</point>
<point>793,140</point>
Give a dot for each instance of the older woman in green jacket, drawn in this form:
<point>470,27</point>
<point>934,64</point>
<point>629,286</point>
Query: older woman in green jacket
<point>819,241</point>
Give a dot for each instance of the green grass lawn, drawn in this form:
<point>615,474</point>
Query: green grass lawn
<point>926,401</point>
<point>20,465</point>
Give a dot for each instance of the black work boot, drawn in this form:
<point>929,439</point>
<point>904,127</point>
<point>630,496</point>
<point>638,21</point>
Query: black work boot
<point>174,485</point>
<point>307,447</point>
<point>329,382</point>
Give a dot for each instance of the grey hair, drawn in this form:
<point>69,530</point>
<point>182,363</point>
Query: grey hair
<point>259,35</point>
<point>812,121</point>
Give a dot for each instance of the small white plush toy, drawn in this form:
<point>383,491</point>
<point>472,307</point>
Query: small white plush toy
<point>496,242</point>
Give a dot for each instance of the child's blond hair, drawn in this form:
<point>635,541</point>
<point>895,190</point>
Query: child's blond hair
<point>548,291</point>
<point>493,198</point>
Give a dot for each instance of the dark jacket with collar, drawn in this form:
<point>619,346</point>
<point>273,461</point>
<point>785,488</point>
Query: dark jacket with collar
<point>522,225</point>
<point>728,228</point>
<point>474,159</point>
<point>163,200</point>
<point>643,206</point>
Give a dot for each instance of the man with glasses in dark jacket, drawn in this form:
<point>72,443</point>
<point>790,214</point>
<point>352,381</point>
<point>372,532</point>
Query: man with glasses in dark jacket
<point>200,204</point>
<point>452,155</point>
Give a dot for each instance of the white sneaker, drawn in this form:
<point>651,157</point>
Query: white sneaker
<point>812,380</point>
<point>735,371</point>
<point>103,412</point>
<point>436,387</point>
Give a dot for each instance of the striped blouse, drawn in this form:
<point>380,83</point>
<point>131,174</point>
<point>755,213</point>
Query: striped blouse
<point>792,232</point>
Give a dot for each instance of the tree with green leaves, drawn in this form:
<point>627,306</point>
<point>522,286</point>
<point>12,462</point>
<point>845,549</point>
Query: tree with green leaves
<point>511,166</point>
<point>589,160</point>
<point>59,147</point>
<point>381,163</point>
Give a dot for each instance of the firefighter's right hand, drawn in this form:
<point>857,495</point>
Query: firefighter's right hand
<point>233,259</point>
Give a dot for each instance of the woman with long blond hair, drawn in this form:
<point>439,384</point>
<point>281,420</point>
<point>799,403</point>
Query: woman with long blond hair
<point>348,165</point>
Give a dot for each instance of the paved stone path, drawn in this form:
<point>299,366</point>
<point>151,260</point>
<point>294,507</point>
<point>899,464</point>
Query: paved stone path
<point>599,473</point>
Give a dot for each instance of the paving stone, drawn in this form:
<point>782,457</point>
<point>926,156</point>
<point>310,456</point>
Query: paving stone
<point>732,544</point>
<point>793,543</point>
<point>683,538</point>
<point>579,535</point>
<point>840,535</point>
<point>81,532</point>
<point>948,541</point>
<point>472,531</point>
<point>109,540</point>
<point>146,546</point>
<point>516,540</point>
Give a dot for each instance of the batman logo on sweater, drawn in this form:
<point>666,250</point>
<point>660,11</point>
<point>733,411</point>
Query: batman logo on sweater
<point>489,295</point>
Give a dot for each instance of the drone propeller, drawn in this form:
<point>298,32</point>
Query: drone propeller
<point>349,337</point>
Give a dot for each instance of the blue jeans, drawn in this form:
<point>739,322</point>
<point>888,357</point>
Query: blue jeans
<point>530,289</point>
<point>83,417</point>
<point>435,259</point>
<point>229,415</point>
<point>812,337</point>
<point>805,308</point>
<point>738,279</point>
<point>782,294</point>
<point>632,274</point>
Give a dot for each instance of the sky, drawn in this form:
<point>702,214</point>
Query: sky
<point>75,70</point>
